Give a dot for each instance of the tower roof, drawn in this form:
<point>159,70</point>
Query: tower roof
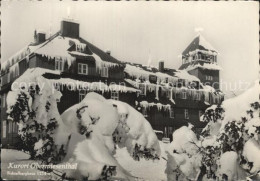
<point>199,43</point>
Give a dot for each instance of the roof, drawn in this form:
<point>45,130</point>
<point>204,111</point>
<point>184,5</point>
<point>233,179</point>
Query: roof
<point>103,55</point>
<point>141,71</point>
<point>200,64</point>
<point>62,47</point>
<point>199,43</point>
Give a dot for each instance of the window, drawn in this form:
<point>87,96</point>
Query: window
<point>58,64</point>
<point>186,114</point>
<point>15,127</point>
<point>104,72</point>
<point>144,111</point>
<point>83,68</point>
<point>200,113</point>
<point>197,96</point>
<point>184,95</point>
<point>168,94</point>
<point>170,131</point>
<point>199,55</point>
<point>8,77</point>
<point>115,95</point>
<point>82,94</point>
<point>171,113</point>
<point>17,71</point>
<point>142,87</point>
<point>4,129</point>
<point>209,77</point>
<point>4,99</point>
<point>10,126</point>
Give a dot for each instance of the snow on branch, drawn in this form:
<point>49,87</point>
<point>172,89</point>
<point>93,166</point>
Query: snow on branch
<point>86,134</point>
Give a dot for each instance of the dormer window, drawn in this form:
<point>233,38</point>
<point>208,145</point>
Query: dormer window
<point>104,72</point>
<point>58,64</point>
<point>83,68</point>
<point>199,56</point>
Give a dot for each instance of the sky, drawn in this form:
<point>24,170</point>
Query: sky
<point>143,31</point>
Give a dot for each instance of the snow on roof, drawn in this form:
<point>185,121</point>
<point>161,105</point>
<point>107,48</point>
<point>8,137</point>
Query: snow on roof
<point>203,42</point>
<point>70,20</point>
<point>30,74</point>
<point>199,44</point>
<point>25,51</point>
<point>58,48</point>
<point>138,71</point>
<point>209,66</point>
<point>92,86</point>
<point>183,74</point>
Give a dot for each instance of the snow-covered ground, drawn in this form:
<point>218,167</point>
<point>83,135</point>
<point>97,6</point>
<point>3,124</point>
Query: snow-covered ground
<point>142,170</point>
<point>13,158</point>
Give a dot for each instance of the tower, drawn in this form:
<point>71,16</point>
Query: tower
<point>200,59</point>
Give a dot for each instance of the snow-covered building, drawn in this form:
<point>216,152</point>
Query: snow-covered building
<point>200,59</point>
<point>74,66</point>
<point>168,98</point>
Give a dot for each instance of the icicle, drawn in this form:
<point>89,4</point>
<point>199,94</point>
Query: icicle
<point>171,99</point>
<point>159,106</point>
<point>157,92</point>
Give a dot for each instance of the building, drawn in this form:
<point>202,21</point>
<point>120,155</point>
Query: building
<point>168,98</point>
<point>64,58</point>
<point>200,60</point>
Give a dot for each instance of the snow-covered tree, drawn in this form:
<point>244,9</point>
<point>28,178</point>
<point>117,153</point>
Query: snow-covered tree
<point>229,146</point>
<point>86,134</point>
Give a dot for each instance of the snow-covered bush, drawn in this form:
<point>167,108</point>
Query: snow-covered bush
<point>229,146</point>
<point>86,134</point>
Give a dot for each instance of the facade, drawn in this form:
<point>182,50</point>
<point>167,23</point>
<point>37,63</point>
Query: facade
<point>200,60</point>
<point>168,98</point>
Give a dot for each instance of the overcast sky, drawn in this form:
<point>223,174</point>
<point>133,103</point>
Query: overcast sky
<point>133,31</point>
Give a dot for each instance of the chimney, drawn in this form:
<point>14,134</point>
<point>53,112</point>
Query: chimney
<point>70,28</point>
<point>161,66</point>
<point>39,37</point>
<point>108,52</point>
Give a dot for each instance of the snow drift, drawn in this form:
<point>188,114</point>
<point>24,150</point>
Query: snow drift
<point>85,134</point>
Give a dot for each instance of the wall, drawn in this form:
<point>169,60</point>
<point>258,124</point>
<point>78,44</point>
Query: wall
<point>214,73</point>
